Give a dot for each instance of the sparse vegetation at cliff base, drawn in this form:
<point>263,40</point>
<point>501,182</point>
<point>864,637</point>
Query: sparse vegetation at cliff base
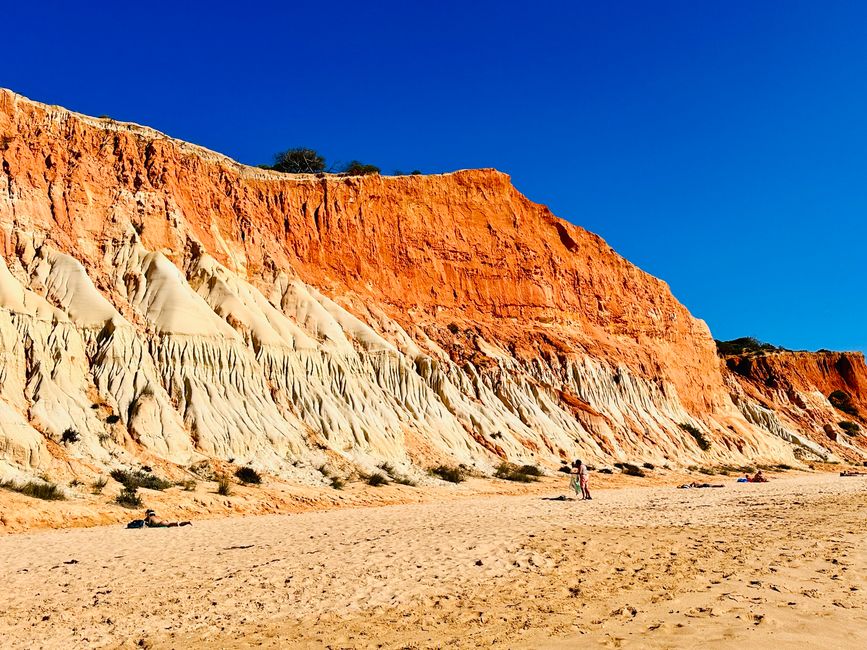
<point>36,489</point>
<point>450,474</point>
<point>140,479</point>
<point>248,475</point>
<point>518,473</point>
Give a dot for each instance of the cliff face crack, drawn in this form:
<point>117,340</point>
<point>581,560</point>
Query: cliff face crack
<point>566,239</point>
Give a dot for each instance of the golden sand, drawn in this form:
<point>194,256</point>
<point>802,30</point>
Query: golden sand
<point>777,564</point>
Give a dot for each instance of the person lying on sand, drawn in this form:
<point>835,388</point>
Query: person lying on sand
<point>152,521</point>
<point>687,486</point>
<point>851,473</point>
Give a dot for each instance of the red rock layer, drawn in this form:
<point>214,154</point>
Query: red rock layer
<point>825,372</point>
<point>796,385</point>
<point>463,248</point>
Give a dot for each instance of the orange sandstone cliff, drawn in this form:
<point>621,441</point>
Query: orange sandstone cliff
<point>792,390</point>
<point>159,301</point>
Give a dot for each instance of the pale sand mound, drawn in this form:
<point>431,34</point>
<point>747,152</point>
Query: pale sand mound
<point>745,566</point>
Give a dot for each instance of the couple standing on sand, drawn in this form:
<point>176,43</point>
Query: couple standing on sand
<point>578,481</point>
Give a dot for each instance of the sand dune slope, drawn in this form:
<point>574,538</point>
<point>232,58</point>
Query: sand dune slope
<point>761,565</point>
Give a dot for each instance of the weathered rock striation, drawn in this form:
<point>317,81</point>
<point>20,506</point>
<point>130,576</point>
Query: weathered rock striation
<point>163,302</point>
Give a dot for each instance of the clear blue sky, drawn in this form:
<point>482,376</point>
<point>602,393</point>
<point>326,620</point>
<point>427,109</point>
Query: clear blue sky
<point>719,145</point>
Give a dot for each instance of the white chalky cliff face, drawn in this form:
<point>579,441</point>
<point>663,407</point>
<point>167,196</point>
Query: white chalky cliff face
<point>160,301</point>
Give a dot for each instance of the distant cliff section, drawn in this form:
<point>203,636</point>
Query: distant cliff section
<point>822,396</point>
<point>161,303</point>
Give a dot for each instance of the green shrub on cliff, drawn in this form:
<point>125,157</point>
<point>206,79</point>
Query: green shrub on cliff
<point>841,401</point>
<point>632,470</point>
<point>248,475</point>
<point>36,489</point>
<point>699,437</point>
<point>98,485</point>
<point>302,160</point>
<point>851,428</point>
<point>129,497</point>
<point>356,168</point>
<point>298,161</point>
<point>224,487</point>
<point>140,479</point>
<point>520,474</point>
<point>450,474</point>
<point>376,479</point>
<point>745,345</point>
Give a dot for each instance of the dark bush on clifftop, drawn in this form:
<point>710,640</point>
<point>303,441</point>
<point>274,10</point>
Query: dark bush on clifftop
<point>744,345</point>
<point>356,168</point>
<point>298,161</point>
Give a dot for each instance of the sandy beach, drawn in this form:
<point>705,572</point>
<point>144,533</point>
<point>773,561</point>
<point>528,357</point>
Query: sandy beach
<point>780,564</point>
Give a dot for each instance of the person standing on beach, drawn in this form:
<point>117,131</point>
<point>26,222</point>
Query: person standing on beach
<point>574,483</point>
<point>583,479</point>
<point>580,476</point>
